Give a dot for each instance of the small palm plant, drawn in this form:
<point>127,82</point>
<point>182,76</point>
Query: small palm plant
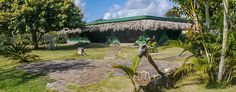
<point>130,71</point>
<point>19,52</point>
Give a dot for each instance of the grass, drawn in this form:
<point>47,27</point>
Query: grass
<point>65,52</point>
<point>112,84</point>
<point>13,80</point>
<point>193,84</point>
<point>163,53</point>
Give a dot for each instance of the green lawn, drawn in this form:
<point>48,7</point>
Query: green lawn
<point>13,80</point>
<point>192,84</point>
<point>92,53</point>
<point>123,84</point>
<point>111,84</point>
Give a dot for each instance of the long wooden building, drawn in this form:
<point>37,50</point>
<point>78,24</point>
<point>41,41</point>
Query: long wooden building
<point>130,29</point>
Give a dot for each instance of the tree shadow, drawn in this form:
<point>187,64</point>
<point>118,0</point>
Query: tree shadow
<point>233,82</point>
<point>13,77</point>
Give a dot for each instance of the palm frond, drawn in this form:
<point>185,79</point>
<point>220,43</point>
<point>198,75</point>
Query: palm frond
<point>129,71</point>
<point>135,63</point>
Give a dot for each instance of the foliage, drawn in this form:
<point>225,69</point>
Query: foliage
<point>130,71</point>
<point>3,42</point>
<point>142,40</point>
<point>206,56</point>
<point>19,52</point>
<point>79,40</point>
<point>152,47</point>
<point>22,39</point>
<point>113,40</point>
<point>38,17</point>
<point>205,43</point>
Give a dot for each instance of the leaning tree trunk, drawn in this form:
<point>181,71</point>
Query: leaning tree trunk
<point>143,51</point>
<point>224,43</point>
<point>34,39</point>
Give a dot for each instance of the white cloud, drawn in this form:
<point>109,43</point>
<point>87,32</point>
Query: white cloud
<point>80,3</point>
<point>139,7</point>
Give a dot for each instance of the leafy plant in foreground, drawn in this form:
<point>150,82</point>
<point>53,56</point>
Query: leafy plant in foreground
<point>130,71</point>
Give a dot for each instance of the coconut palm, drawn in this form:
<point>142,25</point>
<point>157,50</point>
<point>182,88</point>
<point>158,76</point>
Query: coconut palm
<point>224,43</point>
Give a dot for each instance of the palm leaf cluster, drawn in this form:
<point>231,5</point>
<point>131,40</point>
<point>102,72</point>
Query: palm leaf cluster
<point>205,58</point>
<point>19,52</point>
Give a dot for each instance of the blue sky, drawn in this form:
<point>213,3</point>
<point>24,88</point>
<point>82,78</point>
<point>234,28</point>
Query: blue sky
<point>107,9</point>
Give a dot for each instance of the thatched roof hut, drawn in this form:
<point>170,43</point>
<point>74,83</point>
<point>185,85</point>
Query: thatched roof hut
<point>140,23</point>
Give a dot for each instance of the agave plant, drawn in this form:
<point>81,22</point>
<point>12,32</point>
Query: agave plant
<point>130,71</point>
<point>19,52</point>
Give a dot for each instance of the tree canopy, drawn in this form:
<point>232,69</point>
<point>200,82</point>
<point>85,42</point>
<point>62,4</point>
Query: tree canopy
<point>39,16</point>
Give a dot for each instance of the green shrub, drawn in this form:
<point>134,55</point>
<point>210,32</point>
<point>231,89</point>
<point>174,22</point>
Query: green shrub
<point>142,40</point>
<point>152,47</point>
<point>19,52</point>
<point>23,39</point>
<point>113,40</point>
<point>3,42</point>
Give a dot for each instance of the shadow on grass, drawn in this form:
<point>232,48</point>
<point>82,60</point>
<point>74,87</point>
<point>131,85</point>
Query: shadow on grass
<point>12,77</point>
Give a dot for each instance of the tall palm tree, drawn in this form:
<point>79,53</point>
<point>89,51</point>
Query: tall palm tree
<point>224,43</point>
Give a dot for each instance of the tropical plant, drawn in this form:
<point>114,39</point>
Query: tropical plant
<point>113,40</point>
<point>142,39</point>
<point>3,42</point>
<point>130,71</point>
<point>225,39</point>
<point>19,52</point>
<point>152,47</point>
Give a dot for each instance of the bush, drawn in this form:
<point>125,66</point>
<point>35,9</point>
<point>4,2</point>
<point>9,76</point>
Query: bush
<point>19,52</point>
<point>152,47</point>
<point>3,42</point>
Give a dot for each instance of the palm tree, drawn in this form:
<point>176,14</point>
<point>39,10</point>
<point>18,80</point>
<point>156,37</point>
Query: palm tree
<point>224,43</point>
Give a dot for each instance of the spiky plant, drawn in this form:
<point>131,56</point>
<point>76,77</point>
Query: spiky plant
<point>130,71</point>
<point>19,52</point>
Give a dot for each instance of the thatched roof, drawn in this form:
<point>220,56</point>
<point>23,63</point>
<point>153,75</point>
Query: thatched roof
<point>72,31</point>
<point>138,23</point>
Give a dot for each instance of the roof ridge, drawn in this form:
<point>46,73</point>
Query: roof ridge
<point>132,18</point>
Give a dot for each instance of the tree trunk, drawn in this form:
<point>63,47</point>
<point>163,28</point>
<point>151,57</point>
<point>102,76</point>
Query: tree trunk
<point>34,39</point>
<point>211,73</point>
<point>195,17</point>
<point>207,16</point>
<point>224,43</point>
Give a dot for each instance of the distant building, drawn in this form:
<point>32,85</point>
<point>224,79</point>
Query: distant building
<point>129,29</point>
